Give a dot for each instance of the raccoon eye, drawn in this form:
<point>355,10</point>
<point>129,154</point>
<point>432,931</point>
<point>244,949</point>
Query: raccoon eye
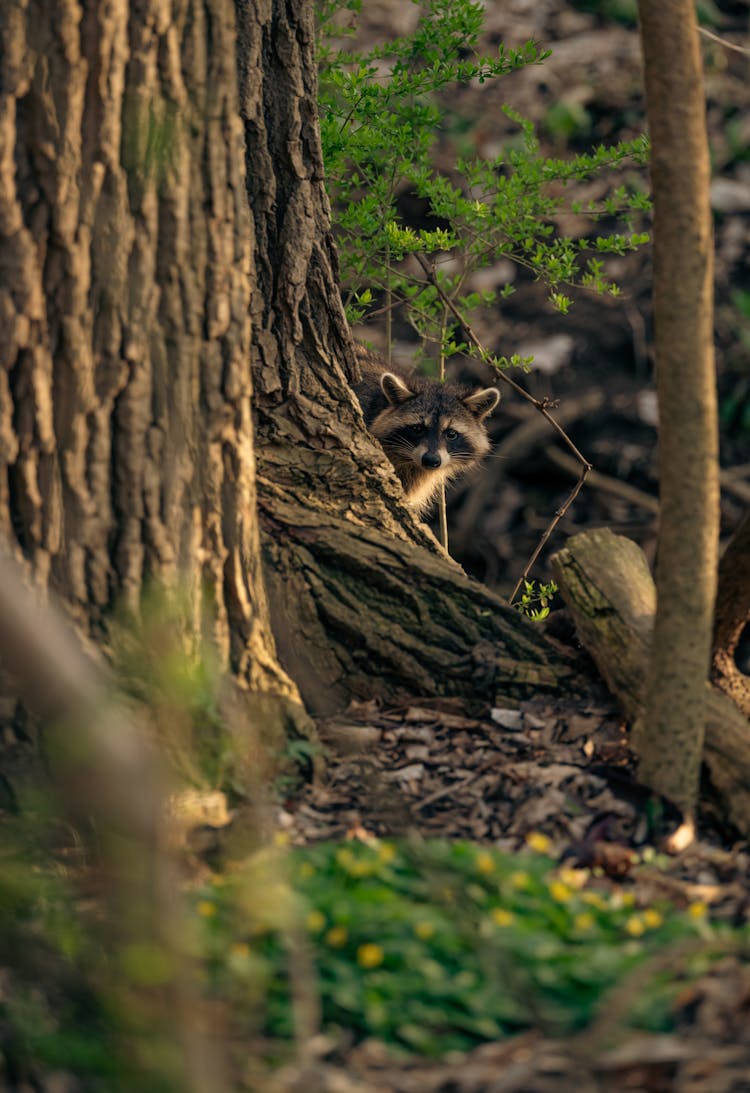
<point>451,434</point>
<point>416,429</point>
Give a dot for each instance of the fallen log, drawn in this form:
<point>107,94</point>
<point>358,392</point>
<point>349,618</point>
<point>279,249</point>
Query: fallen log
<point>606,583</point>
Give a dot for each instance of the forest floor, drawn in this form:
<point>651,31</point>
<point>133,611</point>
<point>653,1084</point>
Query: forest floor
<point>564,770</point>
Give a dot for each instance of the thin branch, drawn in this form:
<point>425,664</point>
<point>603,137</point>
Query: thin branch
<point>540,406</point>
<point>723,41</point>
<point>548,531</point>
<point>516,446</point>
<point>104,770</point>
<point>442,511</point>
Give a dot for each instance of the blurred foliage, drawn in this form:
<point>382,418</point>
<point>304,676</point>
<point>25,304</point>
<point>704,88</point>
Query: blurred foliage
<point>65,1001</point>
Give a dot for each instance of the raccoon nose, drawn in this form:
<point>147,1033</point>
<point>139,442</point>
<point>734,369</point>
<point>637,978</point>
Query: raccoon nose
<point>431,460</point>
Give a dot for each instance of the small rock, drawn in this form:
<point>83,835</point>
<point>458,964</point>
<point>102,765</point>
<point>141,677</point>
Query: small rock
<point>508,719</point>
<point>730,196</point>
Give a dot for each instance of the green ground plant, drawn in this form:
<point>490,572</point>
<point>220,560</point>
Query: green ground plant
<point>430,946</point>
<point>384,114</point>
<point>438,946</point>
<point>535,598</point>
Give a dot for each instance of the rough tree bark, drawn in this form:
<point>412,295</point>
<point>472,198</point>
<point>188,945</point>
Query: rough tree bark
<point>137,284</point>
<point>126,452</point>
<point>363,599</point>
<point>670,737</point>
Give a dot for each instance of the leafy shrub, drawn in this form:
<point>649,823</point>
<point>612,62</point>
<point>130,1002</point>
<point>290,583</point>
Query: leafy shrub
<point>383,113</point>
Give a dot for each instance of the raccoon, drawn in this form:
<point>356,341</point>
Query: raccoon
<point>431,432</point>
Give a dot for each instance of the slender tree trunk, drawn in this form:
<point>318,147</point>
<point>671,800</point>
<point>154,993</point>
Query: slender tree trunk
<point>126,452</point>
<point>364,601</point>
<point>670,739</point>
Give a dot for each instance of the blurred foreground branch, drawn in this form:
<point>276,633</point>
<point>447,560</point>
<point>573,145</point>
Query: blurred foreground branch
<point>109,783</point>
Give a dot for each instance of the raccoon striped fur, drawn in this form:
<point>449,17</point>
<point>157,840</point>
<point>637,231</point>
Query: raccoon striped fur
<point>431,432</point>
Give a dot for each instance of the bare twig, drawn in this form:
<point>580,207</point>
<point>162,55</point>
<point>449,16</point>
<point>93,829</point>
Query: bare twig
<point>442,511</point>
<point>740,470</point>
<point>548,531</point>
<point>540,406</point>
<point>723,41</point>
<point>516,446</point>
<point>733,483</point>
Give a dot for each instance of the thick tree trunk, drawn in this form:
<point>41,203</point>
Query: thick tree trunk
<point>126,452</point>
<point>670,745</point>
<point>364,601</point>
<point>136,287</point>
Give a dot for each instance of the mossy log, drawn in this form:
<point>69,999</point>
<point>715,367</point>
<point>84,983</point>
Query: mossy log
<point>606,583</point>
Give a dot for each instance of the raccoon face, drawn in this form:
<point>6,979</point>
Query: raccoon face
<point>433,427</point>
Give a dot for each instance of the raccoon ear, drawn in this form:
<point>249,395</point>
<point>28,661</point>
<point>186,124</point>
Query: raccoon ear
<point>482,402</point>
<point>394,389</point>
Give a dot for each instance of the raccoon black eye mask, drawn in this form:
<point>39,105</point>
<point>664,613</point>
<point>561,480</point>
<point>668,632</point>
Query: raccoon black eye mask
<point>431,432</point>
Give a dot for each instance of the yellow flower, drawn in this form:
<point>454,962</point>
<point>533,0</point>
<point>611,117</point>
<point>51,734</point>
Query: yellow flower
<point>619,899</point>
<point>652,918</point>
<point>559,891</point>
<point>281,838</point>
<point>635,926</point>
<point>370,955</point>
<point>501,917</point>
<point>240,949</point>
<point>584,920</point>
<point>336,937</point>
<point>307,869</point>
<point>594,899</point>
<point>315,921</point>
<point>424,930</point>
<point>361,868</point>
<point>697,909</point>
<point>485,863</point>
<point>542,844</point>
<point>345,858</point>
<point>574,878</point>
<point>205,908</point>
<point>386,852</point>
<point>520,879</point>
